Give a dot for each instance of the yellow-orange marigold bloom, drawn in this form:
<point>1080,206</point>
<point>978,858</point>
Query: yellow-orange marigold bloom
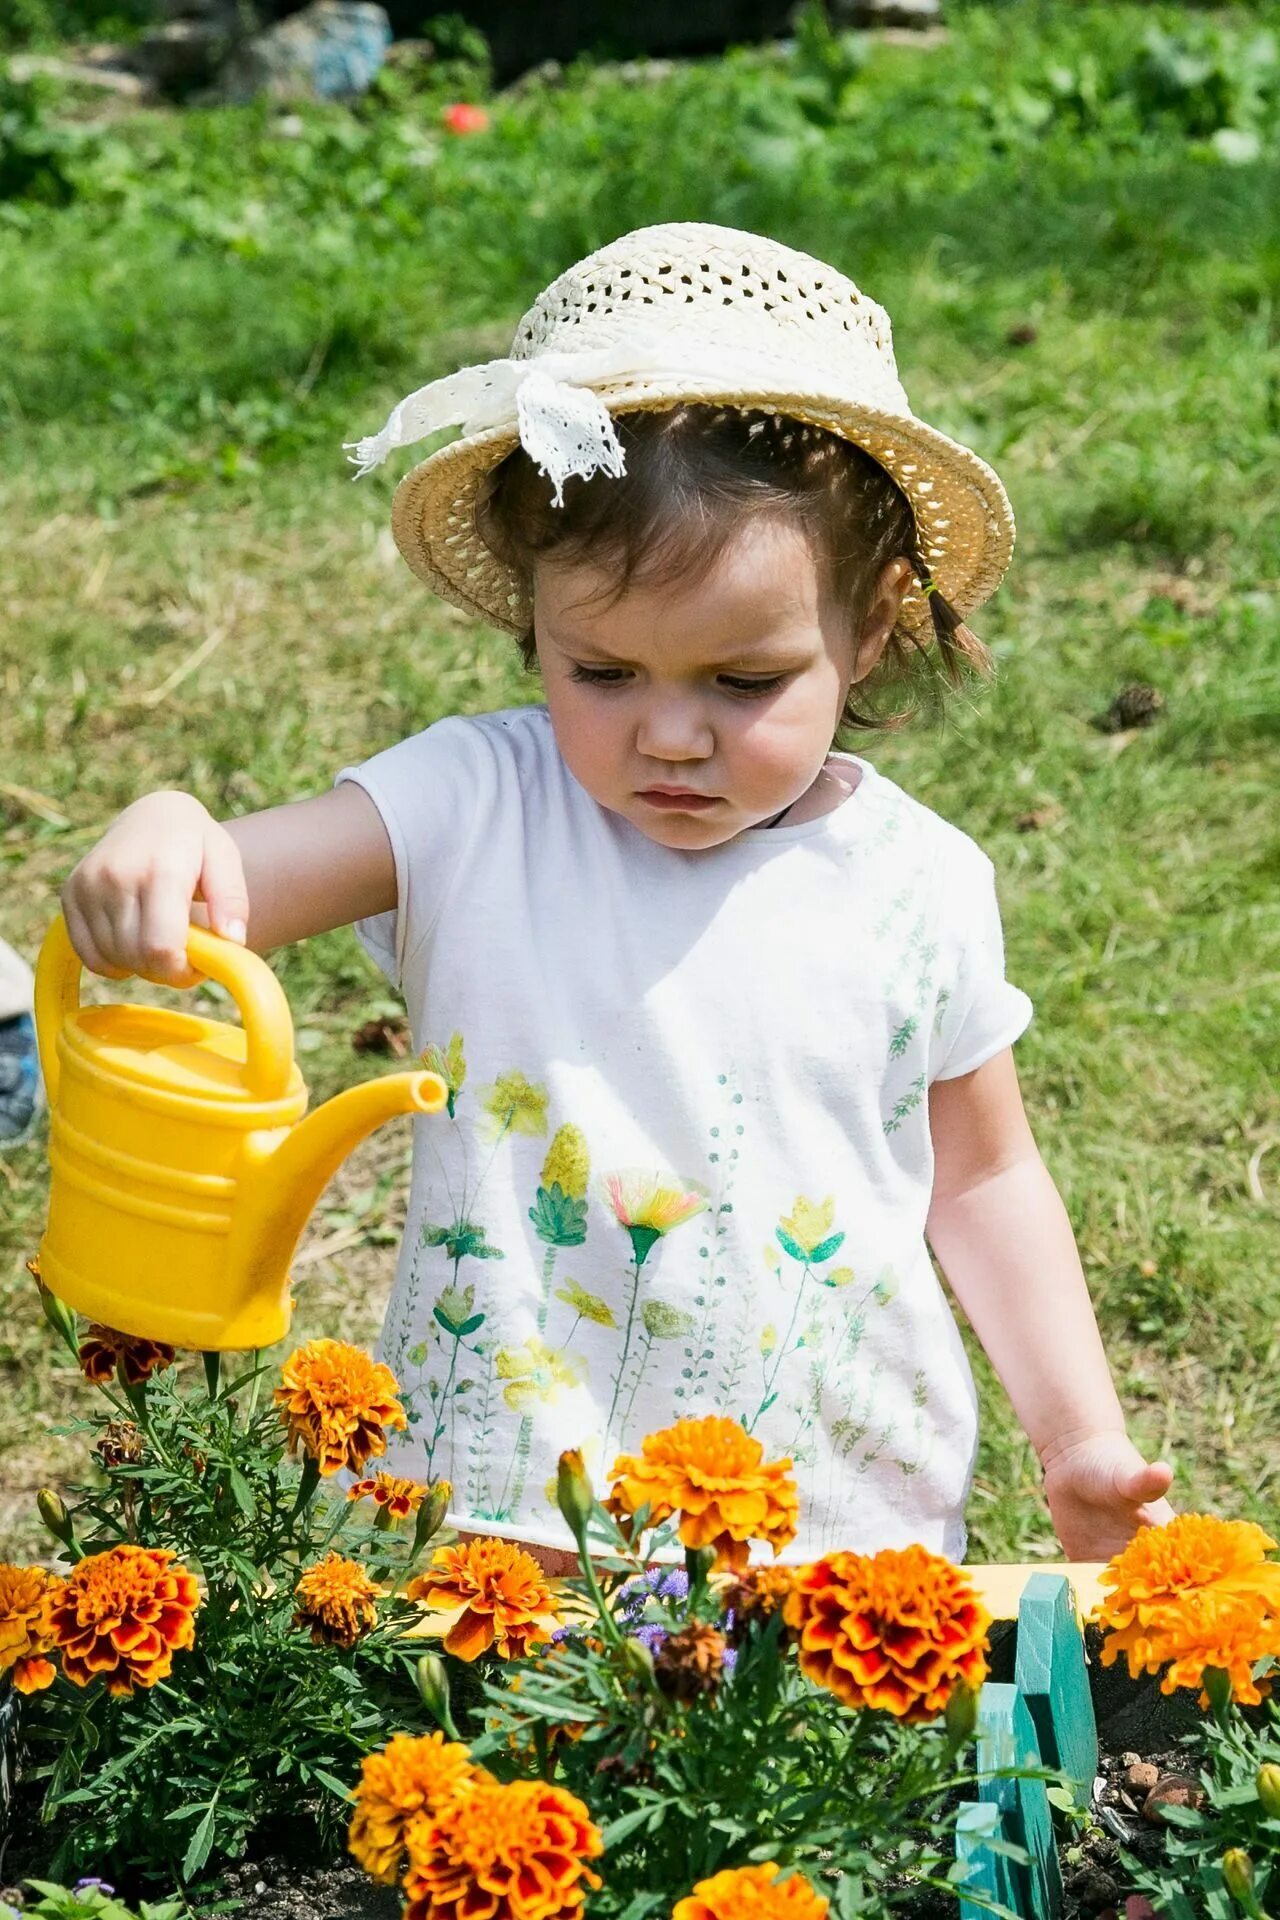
<point>336,1600</point>
<point>27,1595</point>
<point>122,1615</point>
<point>103,1352</point>
<point>399,1497</point>
<point>897,1630</point>
<point>412,1776</point>
<point>715,1476</point>
<point>337,1403</point>
<point>1197,1593</point>
<point>514,1851</point>
<point>752,1893</point>
<point>500,1594</point>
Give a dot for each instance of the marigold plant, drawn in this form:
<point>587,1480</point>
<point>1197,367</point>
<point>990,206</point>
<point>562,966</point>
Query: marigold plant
<point>104,1353</point>
<point>1196,1594</point>
<point>513,1851</point>
<point>337,1404</point>
<point>413,1775</point>
<point>752,1893</point>
<point>498,1592</point>
<point>897,1631</point>
<point>122,1615</point>
<point>27,1595</point>
<point>715,1477</point>
<point>337,1601</point>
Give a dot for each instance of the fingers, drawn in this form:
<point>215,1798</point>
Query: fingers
<point>128,903</point>
<point>222,886</point>
<point>1146,1482</point>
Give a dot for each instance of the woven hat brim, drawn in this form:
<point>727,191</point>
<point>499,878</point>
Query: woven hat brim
<point>963,517</point>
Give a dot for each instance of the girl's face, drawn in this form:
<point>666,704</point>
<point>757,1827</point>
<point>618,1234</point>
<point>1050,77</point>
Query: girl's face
<point>699,710</point>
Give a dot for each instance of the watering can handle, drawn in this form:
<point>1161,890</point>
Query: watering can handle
<point>248,979</point>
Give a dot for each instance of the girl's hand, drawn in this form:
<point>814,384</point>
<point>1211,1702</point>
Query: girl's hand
<point>129,902</point>
<point>1100,1491</point>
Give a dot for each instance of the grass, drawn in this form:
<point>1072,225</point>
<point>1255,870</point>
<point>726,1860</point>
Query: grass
<point>196,596</point>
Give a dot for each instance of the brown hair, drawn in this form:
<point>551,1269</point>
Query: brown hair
<point>693,473</point>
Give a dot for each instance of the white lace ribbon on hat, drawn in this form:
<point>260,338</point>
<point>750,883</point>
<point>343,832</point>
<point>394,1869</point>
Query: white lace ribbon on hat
<point>563,425</point>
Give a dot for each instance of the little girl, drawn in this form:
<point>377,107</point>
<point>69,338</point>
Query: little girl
<point>722,1010</point>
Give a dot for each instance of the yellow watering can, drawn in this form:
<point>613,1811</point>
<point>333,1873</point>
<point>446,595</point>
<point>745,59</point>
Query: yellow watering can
<point>183,1170</point>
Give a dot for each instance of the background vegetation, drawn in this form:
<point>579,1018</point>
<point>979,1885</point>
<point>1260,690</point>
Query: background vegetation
<point>1069,212</point>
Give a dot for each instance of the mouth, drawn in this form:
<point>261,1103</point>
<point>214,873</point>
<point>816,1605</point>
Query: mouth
<point>677,799</point>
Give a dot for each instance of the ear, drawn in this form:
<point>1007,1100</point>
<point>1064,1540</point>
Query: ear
<point>882,616</point>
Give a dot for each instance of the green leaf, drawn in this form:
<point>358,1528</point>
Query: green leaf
<point>241,1492</point>
<point>201,1843</point>
<point>333,1783</point>
<point>438,1313</point>
<point>470,1326</point>
<point>825,1248</point>
<point>789,1245</point>
<point>617,1830</point>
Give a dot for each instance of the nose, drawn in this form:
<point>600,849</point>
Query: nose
<point>673,727</point>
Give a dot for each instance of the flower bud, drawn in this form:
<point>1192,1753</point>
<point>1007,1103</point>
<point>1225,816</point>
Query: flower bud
<point>637,1659</point>
<point>431,1514</point>
<point>1217,1686</point>
<point>55,1515</point>
<point>433,1686</point>
<point>60,1316</point>
<point>1237,1873</point>
<point>574,1494</point>
<point>1269,1789</point>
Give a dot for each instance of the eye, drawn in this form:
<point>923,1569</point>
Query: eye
<point>598,676</point>
<point>745,689</point>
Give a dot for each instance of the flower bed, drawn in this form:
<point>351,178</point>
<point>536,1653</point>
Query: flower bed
<point>238,1663</point>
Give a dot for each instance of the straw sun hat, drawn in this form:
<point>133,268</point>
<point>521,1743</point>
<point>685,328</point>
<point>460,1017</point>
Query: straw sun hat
<point>670,314</point>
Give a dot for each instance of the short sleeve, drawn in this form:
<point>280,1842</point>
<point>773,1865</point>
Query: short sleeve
<point>979,1012</point>
<point>433,792</point>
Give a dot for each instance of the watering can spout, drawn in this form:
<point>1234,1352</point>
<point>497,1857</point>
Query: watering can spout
<point>291,1175</point>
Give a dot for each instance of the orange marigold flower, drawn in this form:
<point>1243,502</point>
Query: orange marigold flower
<point>1196,1593</point>
<point>336,1601</point>
<point>122,1615</point>
<point>504,1851</point>
<point>103,1351</point>
<point>337,1403</point>
<point>896,1631</point>
<point>500,1593</point>
<point>714,1475</point>
<point>27,1595</point>
<point>752,1893</point>
<point>398,1497</point>
<point>413,1775</point>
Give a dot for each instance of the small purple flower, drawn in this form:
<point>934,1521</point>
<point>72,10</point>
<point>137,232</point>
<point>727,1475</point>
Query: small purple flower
<point>90,1884</point>
<point>650,1636</point>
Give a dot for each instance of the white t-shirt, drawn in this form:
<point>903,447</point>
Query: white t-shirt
<point>688,1162</point>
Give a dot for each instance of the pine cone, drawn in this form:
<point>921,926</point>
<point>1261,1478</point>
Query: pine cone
<point>1135,706</point>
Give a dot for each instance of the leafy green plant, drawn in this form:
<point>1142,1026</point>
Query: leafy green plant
<point>35,151</point>
<point>1223,1859</point>
<point>682,1716</point>
<point>287,1660</point>
<point>91,1899</point>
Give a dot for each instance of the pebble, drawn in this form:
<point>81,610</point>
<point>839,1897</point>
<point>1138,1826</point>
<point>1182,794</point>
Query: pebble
<point>1171,1790</point>
<point>1140,1775</point>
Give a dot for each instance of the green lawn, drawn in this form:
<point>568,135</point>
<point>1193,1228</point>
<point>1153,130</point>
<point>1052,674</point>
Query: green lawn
<point>195,594</point>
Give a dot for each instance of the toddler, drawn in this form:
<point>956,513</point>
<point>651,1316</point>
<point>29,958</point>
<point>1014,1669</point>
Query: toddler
<point>722,1010</point>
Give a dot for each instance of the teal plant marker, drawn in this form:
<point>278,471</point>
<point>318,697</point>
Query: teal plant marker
<point>1053,1679</point>
<point>990,1873</point>
<point>1007,1738</point>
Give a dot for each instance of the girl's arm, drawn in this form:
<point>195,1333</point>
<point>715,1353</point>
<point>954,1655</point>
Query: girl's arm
<point>269,878</point>
<point>1003,1239</point>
